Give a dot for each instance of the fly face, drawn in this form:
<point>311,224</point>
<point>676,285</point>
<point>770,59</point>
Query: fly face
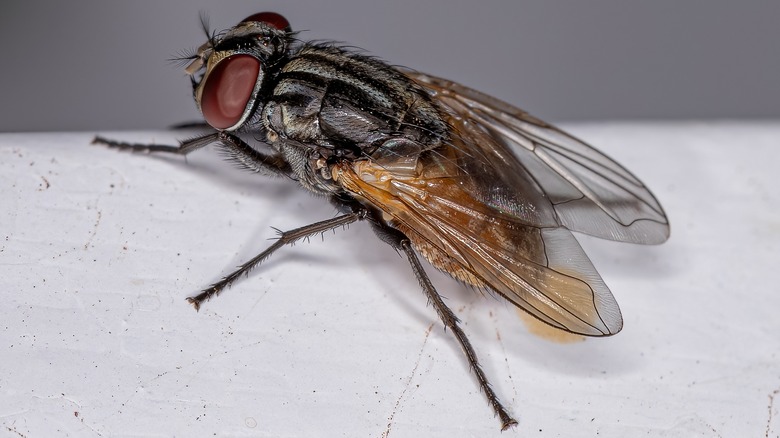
<point>481,189</point>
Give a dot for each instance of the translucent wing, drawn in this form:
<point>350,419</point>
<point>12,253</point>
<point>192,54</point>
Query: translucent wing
<point>589,192</point>
<point>494,207</point>
<point>440,209</point>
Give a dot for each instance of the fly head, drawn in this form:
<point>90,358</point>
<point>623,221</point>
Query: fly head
<point>230,70</point>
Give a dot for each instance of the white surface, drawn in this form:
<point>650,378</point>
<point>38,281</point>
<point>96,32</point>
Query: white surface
<point>98,250</point>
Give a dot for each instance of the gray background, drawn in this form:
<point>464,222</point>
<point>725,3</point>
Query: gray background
<point>100,65</point>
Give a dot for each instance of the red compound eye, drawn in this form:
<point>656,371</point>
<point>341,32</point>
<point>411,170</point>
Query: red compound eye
<point>270,18</point>
<point>228,89</point>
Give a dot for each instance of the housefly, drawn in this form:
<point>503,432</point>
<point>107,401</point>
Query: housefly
<point>480,189</point>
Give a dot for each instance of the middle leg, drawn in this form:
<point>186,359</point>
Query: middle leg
<point>286,238</point>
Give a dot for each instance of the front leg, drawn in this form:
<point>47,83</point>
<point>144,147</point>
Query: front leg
<point>236,149</point>
<point>184,147</point>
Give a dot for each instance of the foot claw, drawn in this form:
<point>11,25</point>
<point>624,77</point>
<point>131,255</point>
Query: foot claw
<point>507,423</point>
<point>195,303</point>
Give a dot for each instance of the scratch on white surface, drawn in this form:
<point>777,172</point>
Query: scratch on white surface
<point>81,418</point>
<point>127,401</point>
<point>46,184</point>
<point>13,430</point>
<point>770,416</point>
<point>76,409</point>
<point>94,229</point>
<point>738,375</point>
<point>147,303</point>
<point>386,433</point>
<point>715,431</point>
<point>211,356</point>
<point>506,361</point>
<point>257,301</point>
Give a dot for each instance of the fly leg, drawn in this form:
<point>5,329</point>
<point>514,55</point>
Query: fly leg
<point>285,238</point>
<point>183,148</point>
<point>236,149</point>
<point>451,322</point>
<point>251,159</point>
